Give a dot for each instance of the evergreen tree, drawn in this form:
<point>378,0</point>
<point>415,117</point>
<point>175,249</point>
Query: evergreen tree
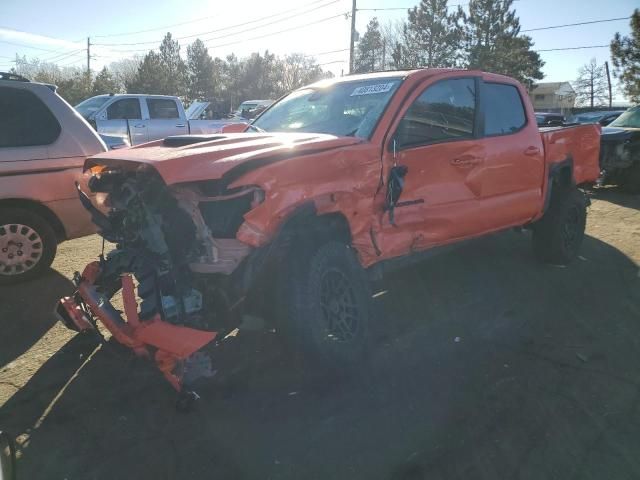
<point>150,77</point>
<point>493,42</point>
<point>625,54</point>
<point>173,66</point>
<point>432,37</point>
<point>369,53</point>
<point>200,72</point>
<point>104,83</point>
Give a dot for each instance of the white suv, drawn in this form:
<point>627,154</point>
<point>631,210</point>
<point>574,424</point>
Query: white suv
<point>43,145</point>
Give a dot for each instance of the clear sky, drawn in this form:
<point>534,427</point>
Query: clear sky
<point>57,30</point>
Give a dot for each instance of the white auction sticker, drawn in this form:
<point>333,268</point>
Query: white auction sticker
<point>372,89</point>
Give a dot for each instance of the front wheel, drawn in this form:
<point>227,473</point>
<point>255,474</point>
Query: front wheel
<point>557,237</point>
<point>27,245</point>
<point>324,304</point>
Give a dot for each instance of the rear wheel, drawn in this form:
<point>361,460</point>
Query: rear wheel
<point>557,237</point>
<point>324,304</point>
<point>27,245</point>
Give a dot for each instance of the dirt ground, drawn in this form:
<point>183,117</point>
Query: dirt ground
<point>486,365</point>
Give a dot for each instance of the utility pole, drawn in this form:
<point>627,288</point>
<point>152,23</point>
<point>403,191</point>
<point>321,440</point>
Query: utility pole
<point>606,67</point>
<point>88,56</point>
<point>353,35</point>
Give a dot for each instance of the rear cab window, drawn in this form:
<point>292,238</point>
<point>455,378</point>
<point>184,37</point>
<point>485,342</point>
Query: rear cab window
<point>162,108</point>
<point>503,109</point>
<point>25,121</point>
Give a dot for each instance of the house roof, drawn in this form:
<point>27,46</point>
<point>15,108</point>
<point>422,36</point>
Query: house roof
<point>551,87</point>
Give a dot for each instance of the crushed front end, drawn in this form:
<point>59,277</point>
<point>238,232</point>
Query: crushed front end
<point>176,263</point>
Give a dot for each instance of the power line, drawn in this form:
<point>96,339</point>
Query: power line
<point>204,18</point>
<point>62,56</point>
<point>205,40</point>
<point>571,48</point>
<point>575,24</point>
<point>330,63</point>
<point>30,46</point>
<point>344,14</point>
<point>383,9</point>
<point>326,53</point>
<point>228,28</point>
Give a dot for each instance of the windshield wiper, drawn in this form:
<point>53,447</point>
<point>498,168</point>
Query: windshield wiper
<point>257,129</point>
<point>352,133</point>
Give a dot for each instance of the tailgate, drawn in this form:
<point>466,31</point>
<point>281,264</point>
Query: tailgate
<point>580,143</point>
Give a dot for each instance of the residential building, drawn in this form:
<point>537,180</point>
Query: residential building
<point>552,97</point>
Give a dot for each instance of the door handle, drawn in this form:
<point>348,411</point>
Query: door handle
<point>531,151</point>
<point>466,161</point>
<point>139,125</point>
<point>180,125</point>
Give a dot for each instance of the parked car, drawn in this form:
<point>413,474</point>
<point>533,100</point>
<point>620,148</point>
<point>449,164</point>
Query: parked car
<point>142,118</point>
<point>620,151</point>
<point>206,118</point>
<point>333,185</point>
<point>252,108</point>
<point>602,117</point>
<point>43,145</point>
<point>544,119</point>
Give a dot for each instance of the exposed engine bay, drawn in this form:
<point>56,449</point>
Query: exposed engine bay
<point>179,245</point>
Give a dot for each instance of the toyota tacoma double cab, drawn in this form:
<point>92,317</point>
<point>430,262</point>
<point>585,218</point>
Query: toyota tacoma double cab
<point>330,186</point>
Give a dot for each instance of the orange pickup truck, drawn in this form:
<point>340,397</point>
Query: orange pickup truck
<point>331,185</point>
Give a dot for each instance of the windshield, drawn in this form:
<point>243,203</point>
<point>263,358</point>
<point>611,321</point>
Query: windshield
<point>629,119</point>
<point>91,105</point>
<point>345,108</point>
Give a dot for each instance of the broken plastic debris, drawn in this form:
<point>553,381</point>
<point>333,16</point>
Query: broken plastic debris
<point>582,258</point>
<point>291,394</point>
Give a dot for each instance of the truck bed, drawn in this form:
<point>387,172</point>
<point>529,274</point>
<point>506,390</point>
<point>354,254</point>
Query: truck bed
<point>579,144</point>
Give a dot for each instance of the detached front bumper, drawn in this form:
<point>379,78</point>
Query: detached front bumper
<point>168,345</point>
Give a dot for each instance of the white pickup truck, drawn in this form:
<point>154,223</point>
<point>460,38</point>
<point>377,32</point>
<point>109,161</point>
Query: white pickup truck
<point>143,118</point>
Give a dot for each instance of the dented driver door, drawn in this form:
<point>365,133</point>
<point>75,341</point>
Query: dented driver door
<point>435,138</point>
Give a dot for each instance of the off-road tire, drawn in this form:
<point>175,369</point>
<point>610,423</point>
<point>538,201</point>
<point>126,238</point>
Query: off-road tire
<point>324,305</point>
<point>557,237</point>
<point>49,242</point>
<point>630,179</point>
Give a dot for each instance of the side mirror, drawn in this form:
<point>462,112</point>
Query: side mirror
<point>234,127</point>
<point>7,457</point>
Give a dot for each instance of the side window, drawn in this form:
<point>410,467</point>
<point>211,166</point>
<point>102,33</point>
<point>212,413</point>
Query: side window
<point>162,108</point>
<point>444,111</point>
<point>125,109</point>
<point>504,111</point>
<point>25,121</point>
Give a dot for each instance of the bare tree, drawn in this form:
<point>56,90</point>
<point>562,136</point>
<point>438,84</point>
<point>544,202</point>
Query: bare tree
<point>591,85</point>
<point>391,32</point>
<point>125,70</point>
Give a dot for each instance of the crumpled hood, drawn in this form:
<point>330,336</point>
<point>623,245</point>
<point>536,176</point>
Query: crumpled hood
<point>192,158</point>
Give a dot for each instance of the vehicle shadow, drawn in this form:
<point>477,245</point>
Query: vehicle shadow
<point>485,365</point>
<point>26,312</point>
<point>617,196</point>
